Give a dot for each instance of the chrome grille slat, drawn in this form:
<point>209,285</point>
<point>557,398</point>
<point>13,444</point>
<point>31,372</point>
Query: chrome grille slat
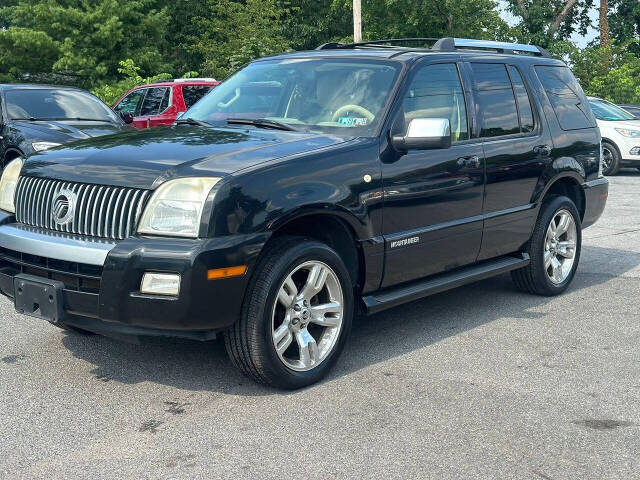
<point>102,211</point>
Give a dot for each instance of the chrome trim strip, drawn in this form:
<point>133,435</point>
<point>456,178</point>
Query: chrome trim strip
<point>35,241</point>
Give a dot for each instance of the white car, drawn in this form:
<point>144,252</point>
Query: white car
<point>620,132</point>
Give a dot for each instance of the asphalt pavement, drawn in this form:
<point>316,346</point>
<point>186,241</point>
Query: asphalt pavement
<point>479,382</point>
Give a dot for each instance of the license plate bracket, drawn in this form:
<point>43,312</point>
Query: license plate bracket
<point>39,297</point>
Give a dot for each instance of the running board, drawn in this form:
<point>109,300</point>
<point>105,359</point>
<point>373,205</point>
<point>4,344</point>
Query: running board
<point>422,288</point>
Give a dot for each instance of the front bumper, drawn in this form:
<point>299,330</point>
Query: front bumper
<point>102,279</point>
<point>596,193</point>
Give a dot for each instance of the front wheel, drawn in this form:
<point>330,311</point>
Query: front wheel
<point>554,249</point>
<point>296,315</point>
<point>611,161</point>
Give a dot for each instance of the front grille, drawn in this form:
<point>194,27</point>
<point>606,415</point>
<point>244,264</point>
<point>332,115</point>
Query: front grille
<point>78,277</point>
<point>100,210</point>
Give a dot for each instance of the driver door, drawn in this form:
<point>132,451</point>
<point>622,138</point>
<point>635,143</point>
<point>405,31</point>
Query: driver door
<point>433,198</point>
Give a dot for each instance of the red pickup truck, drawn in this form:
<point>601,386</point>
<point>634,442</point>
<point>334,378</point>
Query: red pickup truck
<point>160,103</point>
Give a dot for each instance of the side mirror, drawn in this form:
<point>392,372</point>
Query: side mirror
<point>128,118</point>
<point>424,134</point>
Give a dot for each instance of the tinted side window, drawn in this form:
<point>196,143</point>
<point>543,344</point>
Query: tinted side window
<point>153,101</point>
<point>192,94</point>
<point>436,92</point>
<point>524,102</point>
<point>566,97</point>
<point>495,100</point>
<point>131,103</point>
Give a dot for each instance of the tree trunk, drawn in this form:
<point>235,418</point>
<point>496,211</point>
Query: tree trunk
<point>605,36</point>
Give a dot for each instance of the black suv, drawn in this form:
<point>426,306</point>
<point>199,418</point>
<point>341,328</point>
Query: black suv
<point>304,188</point>
<point>38,117</point>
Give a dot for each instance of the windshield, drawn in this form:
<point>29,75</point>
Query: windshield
<point>56,104</point>
<point>329,95</point>
<point>608,111</point>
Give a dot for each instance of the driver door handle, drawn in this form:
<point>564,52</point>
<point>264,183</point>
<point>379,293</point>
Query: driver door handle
<point>469,162</point>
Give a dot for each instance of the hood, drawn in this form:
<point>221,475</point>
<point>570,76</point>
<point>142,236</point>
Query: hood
<point>145,158</point>
<point>68,130</point>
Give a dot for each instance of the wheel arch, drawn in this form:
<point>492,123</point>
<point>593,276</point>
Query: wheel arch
<point>330,227</point>
<point>568,184</point>
<point>611,142</point>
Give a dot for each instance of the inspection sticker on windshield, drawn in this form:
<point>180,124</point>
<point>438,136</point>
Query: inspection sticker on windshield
<point>352,121</point>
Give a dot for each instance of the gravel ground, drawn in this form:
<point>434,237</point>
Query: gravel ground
<point>478,382</point>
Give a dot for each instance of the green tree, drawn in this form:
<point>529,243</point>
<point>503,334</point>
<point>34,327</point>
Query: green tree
<point>611,73</point>
<point>88,37</point>
<point>624,23</point>
<point>230,33</point>
<point>544,22</point>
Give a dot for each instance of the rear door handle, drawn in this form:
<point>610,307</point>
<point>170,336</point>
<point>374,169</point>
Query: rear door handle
<point>542,150</point>
<point>469,162</point>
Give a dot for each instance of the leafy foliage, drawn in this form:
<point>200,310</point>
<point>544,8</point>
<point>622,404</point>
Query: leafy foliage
<point>84,42</point>
<point>613,74</point>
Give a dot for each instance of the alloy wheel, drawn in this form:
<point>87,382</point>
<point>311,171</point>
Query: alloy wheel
<point>307,316</point>
<point>560,246</point>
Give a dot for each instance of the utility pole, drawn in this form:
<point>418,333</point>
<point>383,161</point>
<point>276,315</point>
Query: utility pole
<point>605,36</point>
<point>357,21</point>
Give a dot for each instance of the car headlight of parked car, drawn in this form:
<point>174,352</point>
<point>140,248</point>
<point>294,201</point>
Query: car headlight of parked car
<point>40,146</point>
<point>175,209</point>
<point>628,133</point>
<point>8,184</point>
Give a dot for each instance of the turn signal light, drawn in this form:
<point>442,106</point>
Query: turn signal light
<point>218,273</point>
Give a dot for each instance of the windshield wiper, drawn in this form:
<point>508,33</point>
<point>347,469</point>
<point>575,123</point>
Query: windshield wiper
<point>262,123</point>
<point>192,121</point>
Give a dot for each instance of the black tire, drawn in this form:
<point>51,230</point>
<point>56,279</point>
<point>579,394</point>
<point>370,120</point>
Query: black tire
<point>533,278</point>
<point>610,150</point>
<point>249,342</point>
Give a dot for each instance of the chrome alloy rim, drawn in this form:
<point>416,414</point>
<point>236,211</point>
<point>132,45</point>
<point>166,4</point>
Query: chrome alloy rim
<point>560,246</point>
<point>307,316</point>
<point>607,159</point>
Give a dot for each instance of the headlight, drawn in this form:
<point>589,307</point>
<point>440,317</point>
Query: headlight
<point>175,209</point>
<point>628,133</point>
<point>8,185</point>
<point>39,146</point>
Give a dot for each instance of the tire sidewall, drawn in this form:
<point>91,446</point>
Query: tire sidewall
<point>306,250</point>
<point>615,166</point>
<point>549,211</point>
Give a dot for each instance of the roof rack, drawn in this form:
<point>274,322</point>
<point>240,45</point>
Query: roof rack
<point>453,44</point>
<point>443,45</point>
<point>383,43</point>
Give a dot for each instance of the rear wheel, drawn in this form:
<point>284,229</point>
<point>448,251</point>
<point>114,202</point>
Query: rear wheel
<point>296,315</point>
<point>554,249</point>
<point>610,159</point>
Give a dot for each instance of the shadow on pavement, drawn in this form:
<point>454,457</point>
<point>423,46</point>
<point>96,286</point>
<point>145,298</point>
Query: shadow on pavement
<point>197,366</point>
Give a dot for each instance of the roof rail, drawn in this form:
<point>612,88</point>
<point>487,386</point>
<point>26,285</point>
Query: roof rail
<point>452,44</point>
<point>383,43</point>
<point>442,45</point>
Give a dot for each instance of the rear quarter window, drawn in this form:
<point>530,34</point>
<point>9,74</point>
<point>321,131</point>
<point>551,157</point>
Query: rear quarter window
<point>193,93</point>
<point>566,97</point>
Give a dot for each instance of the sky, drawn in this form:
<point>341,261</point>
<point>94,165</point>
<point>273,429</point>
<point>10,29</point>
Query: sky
<point>580,40</point>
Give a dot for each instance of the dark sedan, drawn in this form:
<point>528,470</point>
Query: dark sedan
<point>632,109</point>
<point>38,117</point>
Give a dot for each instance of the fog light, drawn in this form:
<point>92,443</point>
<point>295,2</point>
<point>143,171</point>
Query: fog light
<point>635,151</point>
<point>160,284</point>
